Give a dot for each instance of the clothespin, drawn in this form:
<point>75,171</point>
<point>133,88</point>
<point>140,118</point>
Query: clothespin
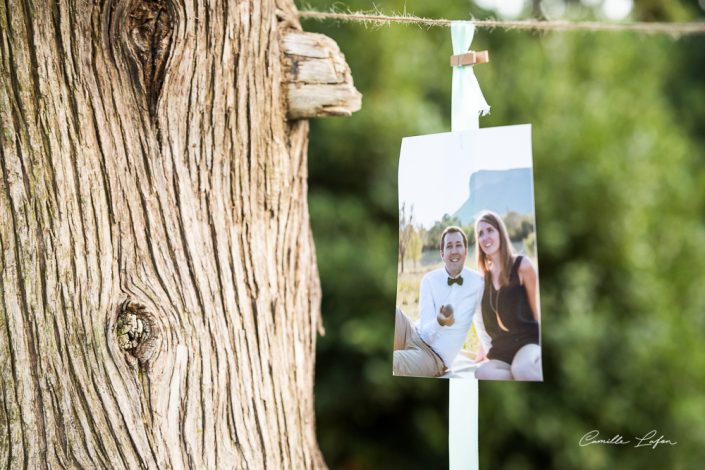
<point>470,58</point>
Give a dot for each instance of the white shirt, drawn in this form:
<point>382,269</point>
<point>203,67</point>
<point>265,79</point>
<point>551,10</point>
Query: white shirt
<point>447,341</point>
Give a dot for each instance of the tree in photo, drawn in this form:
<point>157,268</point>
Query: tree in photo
<point>407,233</point>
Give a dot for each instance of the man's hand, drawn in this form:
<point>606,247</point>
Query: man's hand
<point>445,315</point>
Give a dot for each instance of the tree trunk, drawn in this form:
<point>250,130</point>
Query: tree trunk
<point>159,298</point>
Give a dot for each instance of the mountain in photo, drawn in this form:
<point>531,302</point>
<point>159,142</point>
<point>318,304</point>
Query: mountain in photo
<point>500,191</point>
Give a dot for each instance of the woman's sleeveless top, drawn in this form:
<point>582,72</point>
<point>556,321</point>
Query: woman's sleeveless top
<point>511,305</point>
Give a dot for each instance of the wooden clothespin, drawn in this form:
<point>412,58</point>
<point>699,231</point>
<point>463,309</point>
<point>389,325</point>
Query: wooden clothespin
<point>470,58</point>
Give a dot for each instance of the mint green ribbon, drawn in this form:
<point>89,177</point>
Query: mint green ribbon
<point>468,102</point>
<point>467,106</point>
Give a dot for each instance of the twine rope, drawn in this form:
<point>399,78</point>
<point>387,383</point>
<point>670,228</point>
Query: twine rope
<point>675,29</point>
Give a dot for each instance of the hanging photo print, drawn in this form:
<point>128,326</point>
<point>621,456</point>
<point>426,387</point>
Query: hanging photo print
<point>467,284</point>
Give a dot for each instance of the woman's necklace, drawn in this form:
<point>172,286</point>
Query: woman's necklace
<point>494,301</point>
<point>495,306</point>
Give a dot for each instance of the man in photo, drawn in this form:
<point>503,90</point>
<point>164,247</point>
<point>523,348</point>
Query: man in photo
<point>448,299</point>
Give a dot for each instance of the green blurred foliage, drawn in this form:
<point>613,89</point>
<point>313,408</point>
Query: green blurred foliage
<point>619,166</point>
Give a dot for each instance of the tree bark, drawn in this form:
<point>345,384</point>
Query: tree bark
<point>159,297</point>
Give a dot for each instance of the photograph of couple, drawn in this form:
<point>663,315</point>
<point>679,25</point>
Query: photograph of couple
<point>467,286</point>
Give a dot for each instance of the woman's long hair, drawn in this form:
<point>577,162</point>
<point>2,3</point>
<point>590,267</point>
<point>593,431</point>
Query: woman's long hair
<point>506,254</point>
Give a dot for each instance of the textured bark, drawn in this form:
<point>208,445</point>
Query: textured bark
<point>159,298</point>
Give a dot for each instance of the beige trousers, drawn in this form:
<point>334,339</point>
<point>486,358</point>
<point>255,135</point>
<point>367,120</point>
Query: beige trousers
<point>413,357</point>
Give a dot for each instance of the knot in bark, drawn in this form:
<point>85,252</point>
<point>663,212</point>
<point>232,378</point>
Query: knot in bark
<point>136,331</point>
<point>131,330</point>
<point>149,25</point>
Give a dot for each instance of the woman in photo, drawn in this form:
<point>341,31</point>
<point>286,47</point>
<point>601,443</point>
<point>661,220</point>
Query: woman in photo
<point>510,310</point>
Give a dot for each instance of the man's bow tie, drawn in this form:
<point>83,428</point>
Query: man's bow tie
<point>458,280</point>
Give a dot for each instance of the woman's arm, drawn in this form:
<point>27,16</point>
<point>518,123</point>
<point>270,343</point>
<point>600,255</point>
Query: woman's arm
<point>480,355</point>
<point>529,279</point>
<point>485,339</point>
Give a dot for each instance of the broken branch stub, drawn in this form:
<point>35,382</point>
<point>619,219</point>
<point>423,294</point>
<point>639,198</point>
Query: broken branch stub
<point>317,78</point>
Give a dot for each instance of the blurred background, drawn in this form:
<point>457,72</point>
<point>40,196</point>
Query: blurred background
<point>619,169</point>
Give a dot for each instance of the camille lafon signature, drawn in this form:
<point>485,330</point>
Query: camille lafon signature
<point>647,440</point>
